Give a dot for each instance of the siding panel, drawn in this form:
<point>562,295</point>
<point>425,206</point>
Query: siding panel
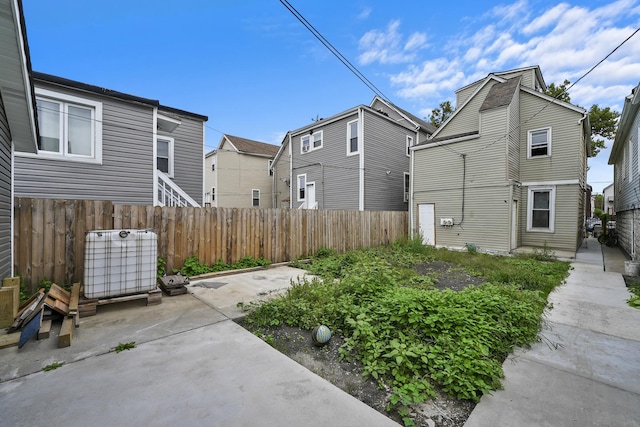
<point>5,195</point>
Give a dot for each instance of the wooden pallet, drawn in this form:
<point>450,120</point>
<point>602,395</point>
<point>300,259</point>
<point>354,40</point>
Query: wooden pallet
<point>88,307</point>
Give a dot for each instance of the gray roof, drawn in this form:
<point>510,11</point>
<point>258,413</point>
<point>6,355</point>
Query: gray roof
<point>250,146</point>
<point>501,94</point>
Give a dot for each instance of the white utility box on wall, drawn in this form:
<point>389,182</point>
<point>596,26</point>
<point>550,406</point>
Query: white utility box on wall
<point>120,262</point>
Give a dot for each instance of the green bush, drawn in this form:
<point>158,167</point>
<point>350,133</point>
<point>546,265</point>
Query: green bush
<point>410,336</point>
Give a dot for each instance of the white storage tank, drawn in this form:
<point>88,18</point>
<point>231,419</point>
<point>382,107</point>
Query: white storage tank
<point>120,262</point>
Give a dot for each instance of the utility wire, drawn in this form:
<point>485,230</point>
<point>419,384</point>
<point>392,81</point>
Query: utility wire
<point>334,50</point>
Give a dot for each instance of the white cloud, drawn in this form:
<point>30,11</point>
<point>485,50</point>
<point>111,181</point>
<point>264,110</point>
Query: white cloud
<point>364,13</point>
<point>386,47</point>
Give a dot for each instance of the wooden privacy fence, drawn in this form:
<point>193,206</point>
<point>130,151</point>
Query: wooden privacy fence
<point>49,235</point>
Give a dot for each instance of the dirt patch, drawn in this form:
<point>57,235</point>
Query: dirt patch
<point>447,275</point>
<point>296,343</point>
<point>441,411</point>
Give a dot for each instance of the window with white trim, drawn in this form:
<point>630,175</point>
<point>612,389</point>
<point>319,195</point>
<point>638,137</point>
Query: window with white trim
<point>409,144</point>
<point>352,137</point>
<point>255,198</point>
<point>539,143</point>
<point>164,154</point>
<point>541,209</point>
<point>70,127</point>
<point>407,182</point>
<point>302,187</point>
<point>310,142</point>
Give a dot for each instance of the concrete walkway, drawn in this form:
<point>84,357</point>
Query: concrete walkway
<point>192,366</point>
<point>586,369</point>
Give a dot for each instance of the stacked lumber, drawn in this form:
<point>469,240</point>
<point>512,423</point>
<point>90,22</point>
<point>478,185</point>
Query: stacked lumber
<point>34,317</point>
<point>174,284</point>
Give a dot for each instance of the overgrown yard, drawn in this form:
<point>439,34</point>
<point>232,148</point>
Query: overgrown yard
<point>420,323</point>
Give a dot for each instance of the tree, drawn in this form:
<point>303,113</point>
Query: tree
<point>559,92</point>
<point>440,115</point>
<point>603,120</point>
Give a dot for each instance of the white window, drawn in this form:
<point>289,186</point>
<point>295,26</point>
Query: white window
<point>409,145</point>
<point>302,186</point>
<point>539,143</point>
<point>407,181</point>
<point>310,142</point>
<point>70,127</point>
<point>541,209</point>
<point>352,137</point>
<point>255,198</point>
<point>164,155</point>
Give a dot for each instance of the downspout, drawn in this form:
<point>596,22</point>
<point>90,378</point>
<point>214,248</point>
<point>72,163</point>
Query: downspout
<point>290,173</point>
<point>361,160</point>
<point>155,158</point>
<point>12,211</point>
<point>204,163</point>
<point>411,175</point>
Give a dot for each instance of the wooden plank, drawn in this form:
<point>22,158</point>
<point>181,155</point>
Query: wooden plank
<point>57,305</point>
<point>59,293</point>
<point>75,297</point>
<point>13,282</point>
<point>9,340</point>
<point>66,332</point>
<point>45,329</point>
<point>70,238</point>
<point>37,237</point>
<point>59,259</point>
<point>8,305</point>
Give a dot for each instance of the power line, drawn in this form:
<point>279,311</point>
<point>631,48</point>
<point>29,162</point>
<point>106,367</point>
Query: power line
<point>334,50</point>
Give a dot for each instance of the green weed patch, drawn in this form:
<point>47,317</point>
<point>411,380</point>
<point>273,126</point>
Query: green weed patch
<point>410,336</point>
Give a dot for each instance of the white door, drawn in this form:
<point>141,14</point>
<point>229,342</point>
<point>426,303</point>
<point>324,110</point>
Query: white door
<point>427,223</point>
<point>514,224</point>
<point>311,195</point>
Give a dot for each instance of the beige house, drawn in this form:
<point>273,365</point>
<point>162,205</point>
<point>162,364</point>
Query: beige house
<point>506,170</point>
<point>238,173</point>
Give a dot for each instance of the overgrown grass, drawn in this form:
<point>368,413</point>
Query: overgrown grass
<point>193,267</point>
<point>409,335</point>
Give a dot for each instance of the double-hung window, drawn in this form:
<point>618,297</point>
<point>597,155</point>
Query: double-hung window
<point>70,127</point>
<point>352,137</point>
<point>540,214</point>
<point>539,143</point>
<point>302,186</point>
<point>407,182</point>
<point>310,142</point>
<point>255,198</point>
<point>164,155</point>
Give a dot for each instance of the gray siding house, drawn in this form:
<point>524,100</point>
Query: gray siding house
<point>100,144</point>
<point>625,158</point>
<point>355,160</point>
<point>238,173</point>
<point>506,170</point>
<point>18,128</point>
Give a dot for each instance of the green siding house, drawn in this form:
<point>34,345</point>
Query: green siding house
<point>506,171</point>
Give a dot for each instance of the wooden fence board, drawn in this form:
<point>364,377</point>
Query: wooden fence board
<point>49,235</point>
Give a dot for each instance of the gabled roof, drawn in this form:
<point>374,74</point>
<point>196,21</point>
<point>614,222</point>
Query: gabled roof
<point>61,81</point>
<point>428,127</point>
<point>501,94</point>
<point>629,112</point>
<point>249,146</point>
<point>16,86</point>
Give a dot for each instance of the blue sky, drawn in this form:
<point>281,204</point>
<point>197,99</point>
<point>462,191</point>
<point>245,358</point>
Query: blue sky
<point>257,72</point>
